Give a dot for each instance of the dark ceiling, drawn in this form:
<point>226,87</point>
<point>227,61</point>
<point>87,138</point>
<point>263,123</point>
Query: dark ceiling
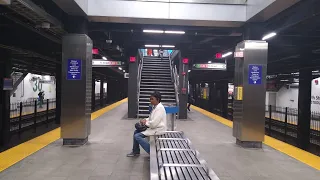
<point>38,50</point>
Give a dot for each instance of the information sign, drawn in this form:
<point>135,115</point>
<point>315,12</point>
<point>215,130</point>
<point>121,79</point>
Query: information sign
<point>254,74</point>
<point>74,69</point>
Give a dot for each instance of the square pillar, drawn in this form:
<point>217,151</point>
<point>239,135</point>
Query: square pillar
<point>183,89</point>
<point>101,92</point>
<point>93,95</point>
<point>5,72</point>
<point>133,88</point>
<point>58,92</point>
<point>304,107</point>
<point>250,89</point>
<point>76,89</point>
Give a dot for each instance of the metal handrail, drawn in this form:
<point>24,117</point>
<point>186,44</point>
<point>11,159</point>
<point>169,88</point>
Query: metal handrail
<point>139,77</point>
<point>174,76</point>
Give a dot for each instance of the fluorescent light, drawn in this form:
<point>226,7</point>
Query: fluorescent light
<point>174,32</point>
<point>124,71</point>
<point>284,80</point>
<point>268,36</point>
<point>104,58</point>
<point>148,45</point>
<point>153,31</point>
<point>168,46</point>
<point>120,68</point>
<point>315,71</point>
<point>189,70</point>
<point>209,62</point>
<point>226,54</point>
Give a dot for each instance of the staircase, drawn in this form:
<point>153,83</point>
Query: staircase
<point>155,76</point>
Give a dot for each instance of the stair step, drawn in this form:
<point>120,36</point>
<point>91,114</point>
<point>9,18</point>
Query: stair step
<point>161,92</point>
<point>155,74</point>
<point>150,82</point>
<point>143,115</point>
<point>160,85</point>
<point>155,79</point>
<point>162,99</point>
<point>158,89</point>
<point>163,95</point>
<point>167,71</point>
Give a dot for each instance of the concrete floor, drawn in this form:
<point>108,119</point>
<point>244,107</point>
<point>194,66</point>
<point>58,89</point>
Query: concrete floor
<point>231,162</point>
<point>104,157</point>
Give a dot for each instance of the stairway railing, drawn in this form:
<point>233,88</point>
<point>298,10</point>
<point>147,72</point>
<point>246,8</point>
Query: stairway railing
<point>140,58</point>
<point>174,74</point>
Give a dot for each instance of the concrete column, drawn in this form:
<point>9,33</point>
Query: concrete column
<point>101,92</point>
<point>5,72</point>
<point>224,98</point>
<point>183,89</point>
<point>304,107</point>
<point>110,91</point>
<point>58,92</point>
<point>133,88</point>
<point>76,85</point>
<point>93,94</point>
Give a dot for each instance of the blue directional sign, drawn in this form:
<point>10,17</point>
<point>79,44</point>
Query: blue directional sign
<point>255,73</point>
<point>74,69</point>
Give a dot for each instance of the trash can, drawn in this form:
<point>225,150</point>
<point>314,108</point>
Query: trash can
<point>171,111</point>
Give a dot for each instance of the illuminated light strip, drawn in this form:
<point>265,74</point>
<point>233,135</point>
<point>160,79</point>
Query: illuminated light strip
<point>268,36</point>
<point>168,46</point>
<point>226,54</point>
<point>174,32</point>
<point>148,45</point>
<point>153,31</point>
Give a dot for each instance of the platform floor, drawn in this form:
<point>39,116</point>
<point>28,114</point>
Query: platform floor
<point>217,146</point>
<point>104,157</point>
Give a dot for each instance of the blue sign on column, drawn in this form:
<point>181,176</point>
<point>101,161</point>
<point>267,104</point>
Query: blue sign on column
<point>254,73</point>
<point>74,70</point>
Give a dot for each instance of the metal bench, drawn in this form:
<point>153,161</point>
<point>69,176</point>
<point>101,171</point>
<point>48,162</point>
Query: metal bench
<point>173,158</point>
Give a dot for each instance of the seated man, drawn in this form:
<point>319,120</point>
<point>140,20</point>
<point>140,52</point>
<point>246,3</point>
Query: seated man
<point>156,123</point>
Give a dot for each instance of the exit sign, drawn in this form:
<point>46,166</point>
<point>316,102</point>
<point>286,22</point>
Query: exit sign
<point>218,55</point>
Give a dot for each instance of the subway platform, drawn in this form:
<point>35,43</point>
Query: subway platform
<point>104,156</point>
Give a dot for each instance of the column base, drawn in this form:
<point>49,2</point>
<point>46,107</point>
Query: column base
<point>75,142</point>
<point>249,144</point>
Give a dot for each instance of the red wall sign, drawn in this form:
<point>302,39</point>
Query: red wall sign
<point>238,54</point>
<point>218,56</point>
<point>185,60</point>
<point>132,59</point>
<point>316,81</point>
<point>95,51</point>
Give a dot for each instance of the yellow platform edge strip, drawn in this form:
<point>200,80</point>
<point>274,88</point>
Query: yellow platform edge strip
<point>292,151</point>
<point>21,151</point>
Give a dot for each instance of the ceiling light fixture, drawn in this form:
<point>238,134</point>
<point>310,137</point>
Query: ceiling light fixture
<point>168,46</point>
<point>104,58</point>
<point>174,32</point>
<point>148,45</point>
<point>209,62</point>
<point>189,70</point>
<point>120,68</point>
<point>268,36</point>
<point>124,71</point>
<point>153,31</point>
<point>226,54</point>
